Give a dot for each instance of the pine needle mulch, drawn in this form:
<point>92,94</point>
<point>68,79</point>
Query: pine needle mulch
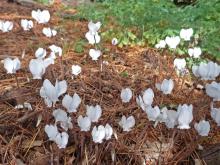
<point>22,136</point>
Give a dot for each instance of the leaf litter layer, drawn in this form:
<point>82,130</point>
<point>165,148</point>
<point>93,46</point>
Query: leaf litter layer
<point>134,67</point>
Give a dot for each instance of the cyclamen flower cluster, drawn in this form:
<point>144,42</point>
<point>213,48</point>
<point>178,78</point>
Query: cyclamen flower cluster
<point>173,41</point>
<point>93,37</point>
<point>42,17</point>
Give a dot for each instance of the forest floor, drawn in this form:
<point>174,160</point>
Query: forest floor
<point>136,67</point>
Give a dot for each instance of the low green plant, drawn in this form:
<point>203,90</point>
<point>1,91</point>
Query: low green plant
<point>152,20</point>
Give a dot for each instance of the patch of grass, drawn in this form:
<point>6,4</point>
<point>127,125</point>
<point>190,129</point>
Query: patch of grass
<point>152,20</point>
<point>79,46</point>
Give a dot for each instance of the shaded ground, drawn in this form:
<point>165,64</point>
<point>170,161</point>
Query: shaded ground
<point>137,68</point>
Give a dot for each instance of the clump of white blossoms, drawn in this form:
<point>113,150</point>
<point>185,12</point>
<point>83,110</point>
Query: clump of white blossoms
<point>76,70</point>
<point>51,93</point>
<point>94,54</point>
<point>186,34</point>
<point>84,123</point>
<point>101,133</point>
<point>215,114</point>
<point>12,65</point>
<point>92,35</point>
<point>94,112</point>
<point>48,32</point>
<point>161,44</point>
<point>173,41</point>
<point>185,116</point>
<point>213,90</point>
<point>166,86</point>
<point>127,123</point>
<point>61,116</point>
<point>61,139</point>
<point>6,26</point>
<point>207,71</point>
<point>38,66</point>
<point>126,95</point>
<point>71,103</point>
<point>41,17</point>
<point>27,24</point>
<point>195,52</point>
<point>203,127</point>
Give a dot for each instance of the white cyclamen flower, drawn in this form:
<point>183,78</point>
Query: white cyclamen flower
<point>40,53</point>
<point>213,90</point>
<point>186,34</point>
<point>38,67</point>
<point>94,27</point>
<point>179,64</point>
<point>126,95</point>
<point>166,86</point>
<point>172,42</point>
<point>76,70</point>
<point>185,116</point>
<point>152,113</point>
<point>98,134</point>
<point>61,139</point>
<point>203,127</point>
<point>161,44</point>
<point>94,112</point>
<point>92,35</point>
<point>127,123</point>
<point>6,26</point>
<point>26,24</point>
<point>61,116</point>
<point>84,123</point>
<point>41,16</point>
<point>215,114</point>
<point>12,65</point>
<point>55,50</point>
<point>94,54</point>
<point>51,93</point>
<point>206,71</point>
<point>71,103</point>
<point>114,41</point>
<point>195,52</point>
<point>171,120</point>
<point>48,32</point>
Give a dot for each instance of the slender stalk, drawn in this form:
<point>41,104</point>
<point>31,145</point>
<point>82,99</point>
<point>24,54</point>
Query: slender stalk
<point>61,67</point>
<point>16,79</point>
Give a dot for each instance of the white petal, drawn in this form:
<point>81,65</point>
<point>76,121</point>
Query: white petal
<point>61,87</point>
<point>60,115</point>
<point>108,132</point>
<point>94,54</point>
<point>51,131</point>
